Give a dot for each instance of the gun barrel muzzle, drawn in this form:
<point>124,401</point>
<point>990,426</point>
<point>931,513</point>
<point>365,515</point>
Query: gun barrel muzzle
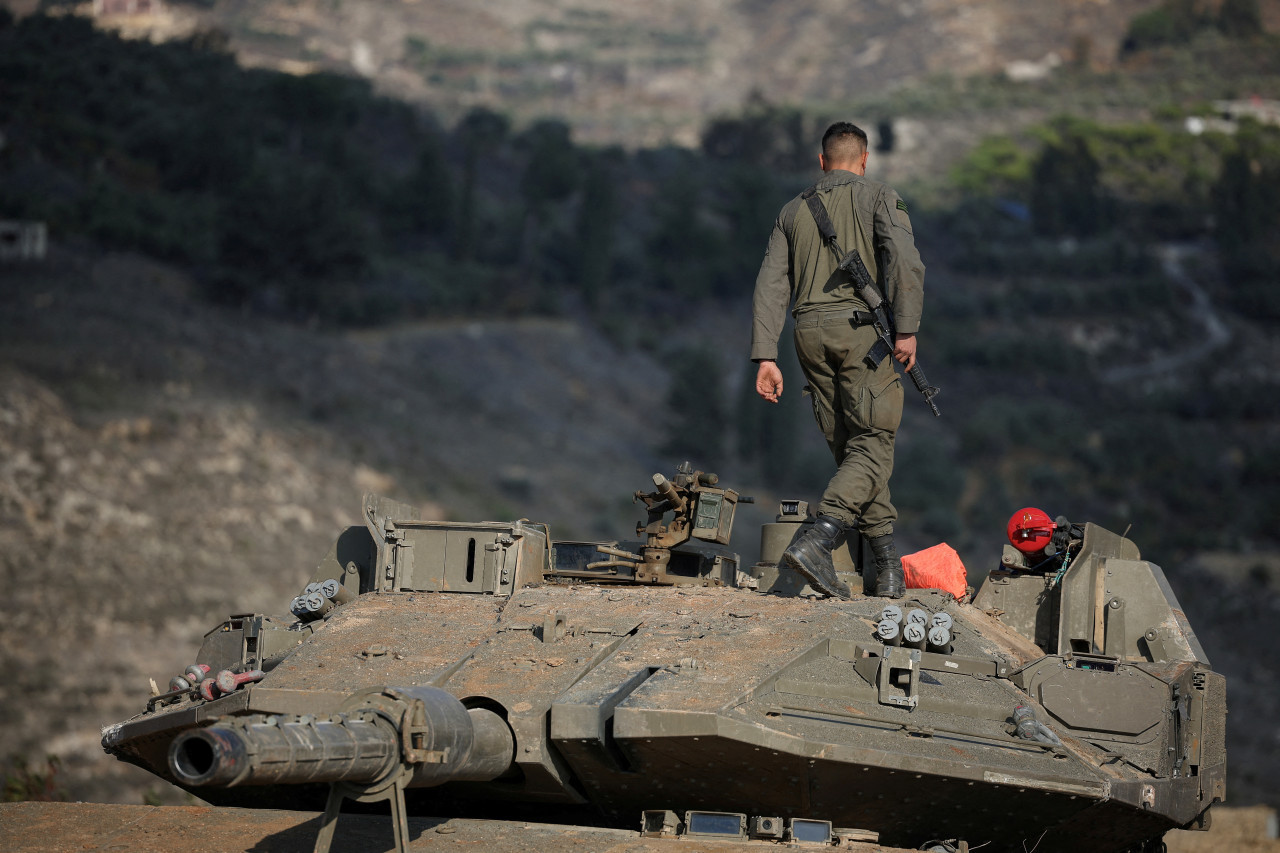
<point>668,491</point>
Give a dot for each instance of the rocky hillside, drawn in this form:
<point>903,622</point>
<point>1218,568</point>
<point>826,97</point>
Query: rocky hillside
<point>164,464</point>
<point>644,73</point>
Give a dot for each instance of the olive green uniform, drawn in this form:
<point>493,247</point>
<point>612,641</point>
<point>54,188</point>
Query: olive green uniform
<point>857,407</point>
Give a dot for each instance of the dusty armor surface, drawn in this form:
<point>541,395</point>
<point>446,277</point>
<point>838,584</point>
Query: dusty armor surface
<point>483,670</point>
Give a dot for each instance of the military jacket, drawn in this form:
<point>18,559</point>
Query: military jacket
<point>800,270</point>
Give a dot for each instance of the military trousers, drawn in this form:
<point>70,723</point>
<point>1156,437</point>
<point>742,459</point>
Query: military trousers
<point>858,408</point>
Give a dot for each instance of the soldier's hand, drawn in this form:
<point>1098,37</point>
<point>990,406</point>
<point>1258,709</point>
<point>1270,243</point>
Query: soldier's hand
<point>769,381</point>
<point>904,350</point>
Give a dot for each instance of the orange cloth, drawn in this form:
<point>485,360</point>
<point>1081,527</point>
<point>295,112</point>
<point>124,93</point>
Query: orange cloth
<point>938,567</point>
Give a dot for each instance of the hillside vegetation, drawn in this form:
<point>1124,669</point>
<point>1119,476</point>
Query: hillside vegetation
<point>639,73</point>
<point>269,292</point>
<point>310,199</point>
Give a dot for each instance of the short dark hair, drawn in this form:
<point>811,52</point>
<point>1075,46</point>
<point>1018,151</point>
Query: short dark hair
<point>844,142</point>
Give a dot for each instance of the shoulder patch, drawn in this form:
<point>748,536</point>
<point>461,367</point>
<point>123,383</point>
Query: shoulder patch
<point>902,205</point>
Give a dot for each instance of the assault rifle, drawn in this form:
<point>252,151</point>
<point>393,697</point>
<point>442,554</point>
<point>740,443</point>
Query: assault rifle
<point>870,294</point>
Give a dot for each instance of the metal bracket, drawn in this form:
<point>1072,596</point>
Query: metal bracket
<point>393,793</point>
<point>554,627</point>
<point>1116,640</point>
<point>1156,644</point>
<point>899,664</point>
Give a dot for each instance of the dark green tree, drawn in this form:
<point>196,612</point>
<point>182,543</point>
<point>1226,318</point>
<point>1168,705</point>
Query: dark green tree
<point>551,174</point>
<point>480,133</point>
<point>1240,18</point>
<point>423,201</point>
<point>763,135</point>
<point>553,168</point>
<point>1066,195</point>
<point>748,199</point>
<point>1172,22</point>
<point>885,138</point>
<point>685,248</point>
<point>293,227</point>
<point>1246,203</point>
<point>597,223</point>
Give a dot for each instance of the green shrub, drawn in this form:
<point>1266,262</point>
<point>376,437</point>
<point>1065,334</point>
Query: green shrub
<point>996,167</point>
<point>1240,18</point>
<point>1173,22</point>
<point>23,783</point>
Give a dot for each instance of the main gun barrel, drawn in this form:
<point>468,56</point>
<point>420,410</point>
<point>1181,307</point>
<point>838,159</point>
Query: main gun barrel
<point>424,730</point>
<point>262,751</point>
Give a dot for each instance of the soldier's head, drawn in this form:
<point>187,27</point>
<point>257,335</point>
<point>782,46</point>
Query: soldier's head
<point>844,146</point>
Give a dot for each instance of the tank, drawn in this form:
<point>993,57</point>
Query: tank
<point>485,670</point>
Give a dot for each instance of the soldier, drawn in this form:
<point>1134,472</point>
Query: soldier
<point>857,407</point>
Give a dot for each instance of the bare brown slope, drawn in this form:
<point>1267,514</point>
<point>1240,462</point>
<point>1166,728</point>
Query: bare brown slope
<point>164,464</point>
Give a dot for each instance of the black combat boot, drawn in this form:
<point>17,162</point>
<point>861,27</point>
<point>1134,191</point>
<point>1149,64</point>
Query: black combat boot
<point>889,580</point>
<point>810,555</point>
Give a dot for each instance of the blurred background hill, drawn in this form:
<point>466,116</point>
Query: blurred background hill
<point>495,260</point>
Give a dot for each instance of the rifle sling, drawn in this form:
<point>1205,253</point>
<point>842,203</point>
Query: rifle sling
<point>828,233</point>
<point>819,211</point>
